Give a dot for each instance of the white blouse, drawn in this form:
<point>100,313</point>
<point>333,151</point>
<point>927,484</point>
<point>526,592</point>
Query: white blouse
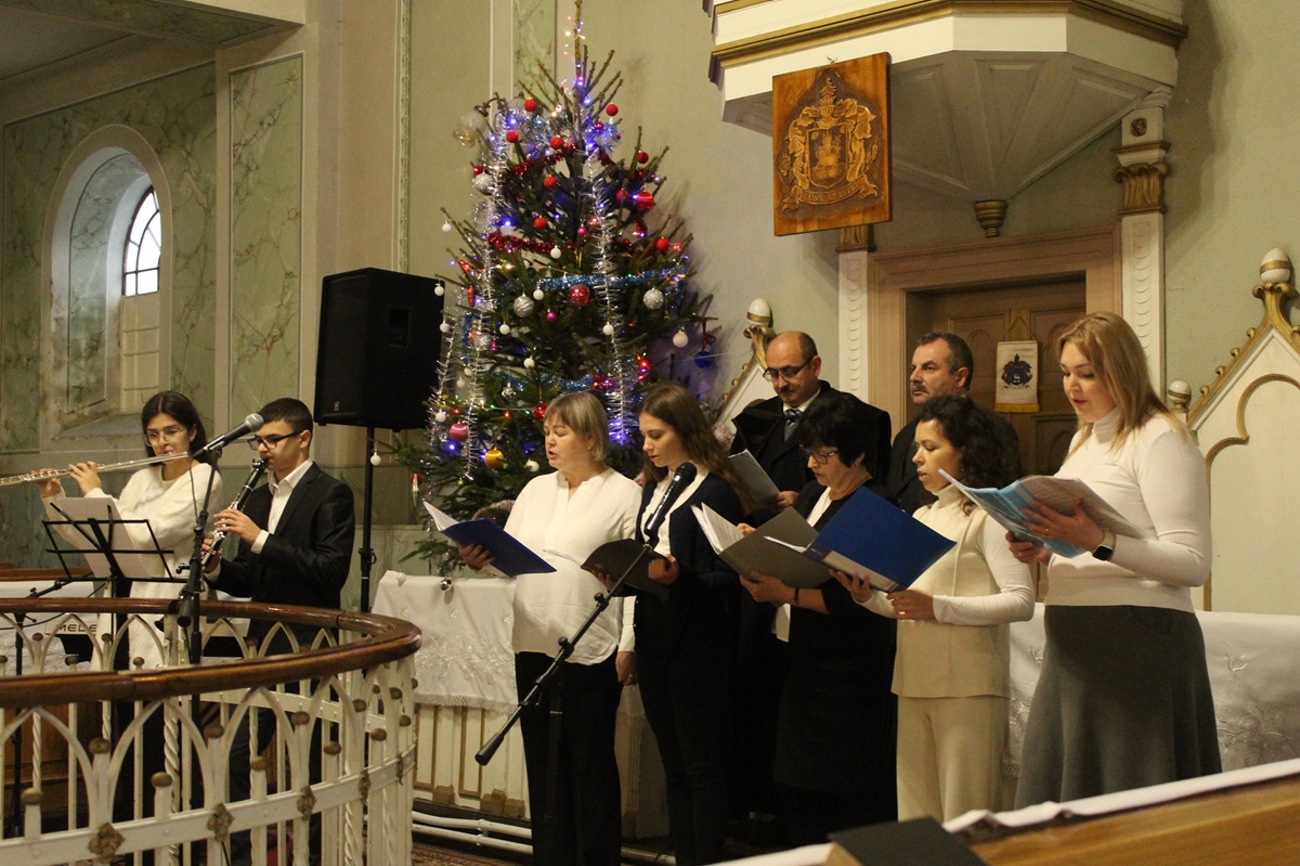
<point>564,530</point>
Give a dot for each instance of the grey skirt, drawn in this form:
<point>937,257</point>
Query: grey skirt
<point>1123,702</point>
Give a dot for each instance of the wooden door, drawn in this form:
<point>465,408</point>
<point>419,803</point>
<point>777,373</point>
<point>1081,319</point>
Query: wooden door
<point>982,317</point>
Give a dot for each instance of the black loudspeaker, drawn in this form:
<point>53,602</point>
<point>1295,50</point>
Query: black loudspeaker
<point>377,359</point>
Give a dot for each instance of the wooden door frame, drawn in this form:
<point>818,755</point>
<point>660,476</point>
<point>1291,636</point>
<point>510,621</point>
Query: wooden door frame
<point>1093,253</point>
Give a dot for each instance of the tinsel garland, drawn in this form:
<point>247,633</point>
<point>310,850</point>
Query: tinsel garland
<point>669,275</point>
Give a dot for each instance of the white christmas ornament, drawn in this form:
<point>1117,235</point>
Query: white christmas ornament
<point>653,299</point>
<point>445,327</point>
<point>440,290</point>
<point>440,416</point>
<point>531,466</point>
<point>483,182</point>
<point>529,363</point>
<point>524,306</point>
<point>504,329</point>
<point>375,459</point>
<point>608,330</point>
<point>680,339</point>
<point>556,252</point>
<point>446,226</point>
<point>538,294</point>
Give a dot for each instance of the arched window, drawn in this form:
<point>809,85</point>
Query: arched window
<point>107,281</point>
<point>143,248</point>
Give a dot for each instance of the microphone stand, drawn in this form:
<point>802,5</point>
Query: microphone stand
<point>556,712</point>
<point>187,604</point>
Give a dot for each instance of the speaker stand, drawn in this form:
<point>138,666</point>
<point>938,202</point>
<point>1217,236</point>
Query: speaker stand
<point>366,553</point>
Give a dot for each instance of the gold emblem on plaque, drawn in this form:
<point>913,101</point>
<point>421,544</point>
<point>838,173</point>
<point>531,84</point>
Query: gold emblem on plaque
<point>829,148</point>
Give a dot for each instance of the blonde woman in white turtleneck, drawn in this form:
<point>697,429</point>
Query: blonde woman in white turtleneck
<point>1124,698</point>
<point>951,670</point>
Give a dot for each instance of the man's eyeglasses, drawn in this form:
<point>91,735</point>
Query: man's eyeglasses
<point>821,458</point>
<point>771,374</point>
<point>269,442</point>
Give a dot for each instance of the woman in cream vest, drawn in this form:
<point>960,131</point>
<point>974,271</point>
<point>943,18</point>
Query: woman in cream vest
<point>951,670</point>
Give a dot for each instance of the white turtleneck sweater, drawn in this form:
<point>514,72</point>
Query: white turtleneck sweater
<point>1156,480</point>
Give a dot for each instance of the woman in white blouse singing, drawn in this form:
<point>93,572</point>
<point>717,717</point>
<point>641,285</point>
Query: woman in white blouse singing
<point>572,511</point>
<point>1124,697</point>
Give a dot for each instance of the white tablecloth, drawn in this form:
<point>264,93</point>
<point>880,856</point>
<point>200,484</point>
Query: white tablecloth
<point>465,658</point>
<point>466,661</point>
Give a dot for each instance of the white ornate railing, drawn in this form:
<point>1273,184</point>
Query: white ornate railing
<point>76,791</point>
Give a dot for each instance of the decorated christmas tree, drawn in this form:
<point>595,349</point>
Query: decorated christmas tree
<point>566,280</point>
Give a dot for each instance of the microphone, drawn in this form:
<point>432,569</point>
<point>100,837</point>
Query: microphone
<point>682,478</point>
<point>251,423</point>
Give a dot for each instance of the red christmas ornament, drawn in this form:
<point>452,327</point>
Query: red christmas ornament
<point>661,244</point>
<point>530,105</point>
<point>551,181</point>
<point>611,109</point>
<point>539,223</point>
<point>644,200</point>
<point>557,142</point>
<point>512,135</point>
<point>580,295</point>
<point>642,157</point>
<point>477,169</point>
<point>458,431</point>
<point>621,195</point>
<point>550,315</point>
<point>539,411</point>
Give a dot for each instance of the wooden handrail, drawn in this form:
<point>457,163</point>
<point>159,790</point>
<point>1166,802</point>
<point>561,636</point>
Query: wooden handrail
<point>387,639</point>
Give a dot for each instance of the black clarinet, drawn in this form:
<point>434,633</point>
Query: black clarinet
<point>259,466</point>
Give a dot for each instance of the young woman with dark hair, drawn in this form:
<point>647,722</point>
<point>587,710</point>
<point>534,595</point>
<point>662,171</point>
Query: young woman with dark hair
<point>166,494</point>
<point>685,641</point>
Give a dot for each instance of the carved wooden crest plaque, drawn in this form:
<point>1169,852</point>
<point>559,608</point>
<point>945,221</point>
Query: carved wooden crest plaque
<point>830,139</point>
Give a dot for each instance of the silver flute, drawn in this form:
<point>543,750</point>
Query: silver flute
<point>259,466</point>
<point>44,474</point>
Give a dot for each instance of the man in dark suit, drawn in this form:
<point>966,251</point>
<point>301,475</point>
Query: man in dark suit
<point>942,365</point>
<point>769,431</point>
<point>295,538</point>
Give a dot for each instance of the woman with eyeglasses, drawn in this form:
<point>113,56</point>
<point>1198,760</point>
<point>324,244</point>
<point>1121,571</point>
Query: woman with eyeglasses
<point>835,731</point>
<point>166,494</point>
<point>952,674</point>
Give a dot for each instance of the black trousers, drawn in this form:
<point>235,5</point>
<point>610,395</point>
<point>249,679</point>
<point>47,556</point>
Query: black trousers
<point>584,825</point>
<point>686,698</point>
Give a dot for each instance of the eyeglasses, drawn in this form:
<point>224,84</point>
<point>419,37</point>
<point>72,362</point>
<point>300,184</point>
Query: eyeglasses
<point>169,433</point>
<point>269,442</point>
<point>821,458</point>
<point>771,374</point>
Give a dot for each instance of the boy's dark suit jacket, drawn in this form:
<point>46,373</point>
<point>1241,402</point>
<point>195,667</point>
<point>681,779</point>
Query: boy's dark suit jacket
<point>306,559</point>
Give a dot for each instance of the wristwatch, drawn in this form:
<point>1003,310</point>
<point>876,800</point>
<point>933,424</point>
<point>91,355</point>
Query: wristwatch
<point>1106,549</point>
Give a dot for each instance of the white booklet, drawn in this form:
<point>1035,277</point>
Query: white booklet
<point>758,483</point>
